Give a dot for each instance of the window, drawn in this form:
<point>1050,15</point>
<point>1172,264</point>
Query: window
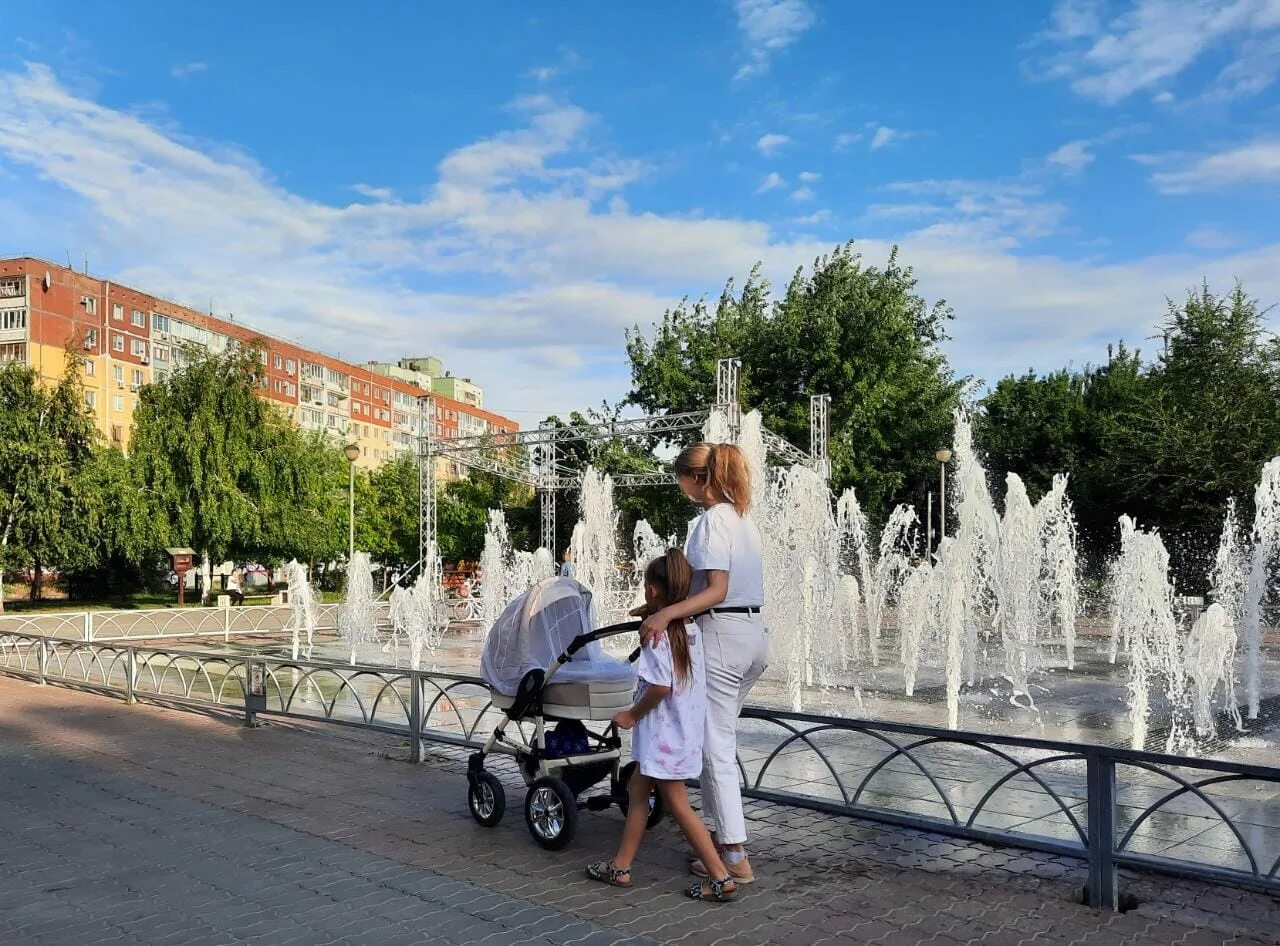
<point>279,362</point>
<point>90,339</point>
<point>90,304</point>
<point>117,312</point>
<point>12,288</point>
<point>91,400</point>
<point>160,352</point>
<point>12,320</point>
<point>118,402</point>
<point>117,372</point>
<point>159,323</point>
<point>13,351</point>
<point>139,319</point>
<point>117,341</point>
<point>262,356</point>
<point>137,378</point>
<point>290,365</point>
<point>138,347</point>
<point>117,433</point>
<point>90,369</point>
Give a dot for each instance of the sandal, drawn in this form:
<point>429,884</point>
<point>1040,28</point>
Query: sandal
<point>713,891</point>
<point>698,869</point>
<point>606,873</point>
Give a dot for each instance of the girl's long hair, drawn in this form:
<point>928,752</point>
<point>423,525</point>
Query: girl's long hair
<point>723,468</point>
<point>672,576</point>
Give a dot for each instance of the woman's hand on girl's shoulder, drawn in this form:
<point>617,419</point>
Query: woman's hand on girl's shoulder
<point>654,629</point>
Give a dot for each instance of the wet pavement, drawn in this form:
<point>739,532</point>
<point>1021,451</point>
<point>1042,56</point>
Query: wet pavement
<point>146,825</point>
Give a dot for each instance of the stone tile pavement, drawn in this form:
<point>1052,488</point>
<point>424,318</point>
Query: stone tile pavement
<point>146,825</point>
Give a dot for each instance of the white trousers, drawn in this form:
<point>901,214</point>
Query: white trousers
<point>737,652</point>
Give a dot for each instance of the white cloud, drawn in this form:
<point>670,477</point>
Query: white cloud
<point>885,136</point>
<point>1212,238</point>
<point>996,213</point>
<point>1163,98</point>
<point>568,62</point>
<point>772,181</point>
<point>1073,156</point>
<point>810,177</point>
<point>768,27</point>
<point>521,263</point>
<point>188,69</point>
<point>377,193</point>
<point>769,144</point>
<point>1255,163</point>
<point>846,140</point>
<point>1155,42</point>
<point>818,216</point>
<point>803,194</point>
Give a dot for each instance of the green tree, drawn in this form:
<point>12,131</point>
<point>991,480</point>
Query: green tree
<point>1210,422</point>
<point>46,441</point>
<point>394,513</point>
<point>1068,421</point>
<point>222,470</point>
<point>859,333</point>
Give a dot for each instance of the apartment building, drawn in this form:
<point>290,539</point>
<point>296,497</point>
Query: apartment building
<point>127,338</point>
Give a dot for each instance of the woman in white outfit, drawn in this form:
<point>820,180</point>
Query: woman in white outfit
<point>728,594</point>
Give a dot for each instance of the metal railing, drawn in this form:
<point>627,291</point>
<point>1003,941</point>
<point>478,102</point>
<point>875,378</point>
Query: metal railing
<point>1112,808</point>
<point>169,623</point>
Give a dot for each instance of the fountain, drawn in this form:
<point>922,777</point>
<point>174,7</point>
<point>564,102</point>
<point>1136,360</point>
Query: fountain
<point>1142,622</point>
<point>544,564</point>
<point>357,615</point>
<point>1266,550</point>
<point>595,544</point>
<point>493,568</point>
<point>302,602</point>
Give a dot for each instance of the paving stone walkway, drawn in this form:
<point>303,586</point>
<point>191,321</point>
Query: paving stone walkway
<point>147,825</point>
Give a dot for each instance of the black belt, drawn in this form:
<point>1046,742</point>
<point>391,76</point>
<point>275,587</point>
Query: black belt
<point>753,609</point>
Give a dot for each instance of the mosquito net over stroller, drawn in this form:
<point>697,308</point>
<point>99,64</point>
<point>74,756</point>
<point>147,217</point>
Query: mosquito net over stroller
<point>535,629</point>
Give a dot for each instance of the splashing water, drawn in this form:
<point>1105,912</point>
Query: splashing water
<point>1143,624</point>
<point>648,546</point>
<point>1016,577</point>
<point>977,535</point>
<point>1210,663</point>
<point>357,616</point>
<point>494,561</point>
<point>751,443</point>
<point>1057,528</point>
<point>799,546</point>
<point>595,544</point>
<point>544,564</point>
<point>1266,549</point>
<point>917,611</point>
<point>302,602</point>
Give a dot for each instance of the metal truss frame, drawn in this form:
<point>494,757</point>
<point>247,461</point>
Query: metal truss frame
<point>542,471</point>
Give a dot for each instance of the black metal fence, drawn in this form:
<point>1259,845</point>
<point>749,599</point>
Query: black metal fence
<point>1204,818</point>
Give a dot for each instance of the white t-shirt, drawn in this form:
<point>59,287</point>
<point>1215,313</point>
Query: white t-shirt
<point>667,743</point>
<point>721,540</point>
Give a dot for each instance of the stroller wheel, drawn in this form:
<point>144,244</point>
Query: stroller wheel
<point>487,799</point>
<point>622,796</point>
<point>551,812</point>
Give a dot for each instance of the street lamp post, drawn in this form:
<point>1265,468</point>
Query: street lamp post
<point>351,451</point>
<point>943,457</point>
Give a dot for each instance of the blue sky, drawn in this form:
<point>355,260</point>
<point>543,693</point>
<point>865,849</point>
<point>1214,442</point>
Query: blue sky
<point>510,185</point>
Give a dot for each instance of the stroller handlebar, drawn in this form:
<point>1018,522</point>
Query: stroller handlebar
<point>582,640</point>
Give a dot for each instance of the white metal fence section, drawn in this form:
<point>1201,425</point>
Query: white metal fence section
<point>169,623</point>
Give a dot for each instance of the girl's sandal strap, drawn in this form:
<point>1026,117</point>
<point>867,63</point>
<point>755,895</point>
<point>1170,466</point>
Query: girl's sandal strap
<point>713,891</point>
<point>606,873</point>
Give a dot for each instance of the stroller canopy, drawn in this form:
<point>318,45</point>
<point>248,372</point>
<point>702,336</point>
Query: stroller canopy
<point>536,628</point>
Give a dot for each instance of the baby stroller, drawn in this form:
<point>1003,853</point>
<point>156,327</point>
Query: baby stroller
<point>547,671</point>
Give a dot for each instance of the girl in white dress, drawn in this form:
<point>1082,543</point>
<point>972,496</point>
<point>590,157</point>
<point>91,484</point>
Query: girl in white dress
<point>727,599</point>
<point>669,721</point>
